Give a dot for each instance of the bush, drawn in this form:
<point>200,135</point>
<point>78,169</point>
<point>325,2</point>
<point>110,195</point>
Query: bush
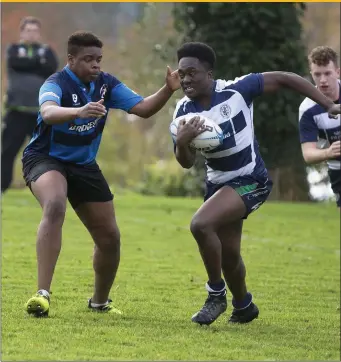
<point>168,178</point>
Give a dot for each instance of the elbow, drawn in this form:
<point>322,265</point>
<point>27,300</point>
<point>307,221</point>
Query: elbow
<point>142,110</point>
<point>142,113</point>
<point>185,163</point>
<point>46,116</point>
<point>185,160</point>
<point>48,122</point>
<point>308,160</point>
<point>187,166</point>
<point>145,115</point>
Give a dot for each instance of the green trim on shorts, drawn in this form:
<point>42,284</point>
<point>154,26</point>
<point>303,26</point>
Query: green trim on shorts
<point>242,190</point>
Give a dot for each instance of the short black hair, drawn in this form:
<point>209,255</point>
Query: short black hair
<point>82,39</point>
<point>29,20</point>
<point>198,50</point>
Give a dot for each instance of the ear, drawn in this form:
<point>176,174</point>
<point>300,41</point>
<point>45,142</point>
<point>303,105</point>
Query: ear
<point>70,59</point>
<point>210,74</point>
<point>338,72</point>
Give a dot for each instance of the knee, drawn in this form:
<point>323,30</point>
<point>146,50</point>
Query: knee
<point>200,227</point>
<point>54,211</point>
<point>108,239</point>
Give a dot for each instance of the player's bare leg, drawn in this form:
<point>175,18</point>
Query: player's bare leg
<point>50,189</point>
<point>232,263</point>
<point>205,225</point>
<point>234,272</point>
<point>99,219</point>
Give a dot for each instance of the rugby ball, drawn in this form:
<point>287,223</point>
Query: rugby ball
<point>210,139</point>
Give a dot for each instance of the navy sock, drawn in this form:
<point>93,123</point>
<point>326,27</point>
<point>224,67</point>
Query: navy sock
<point>217,289</point>
<point>244,303</point>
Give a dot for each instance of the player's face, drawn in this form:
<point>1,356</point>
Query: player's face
<point>86,64</point>
<point>30,34</point>
<point>195,79</point>
<point>326,78</point>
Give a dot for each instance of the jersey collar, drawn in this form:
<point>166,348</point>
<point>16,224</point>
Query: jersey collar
<point>79,82</point>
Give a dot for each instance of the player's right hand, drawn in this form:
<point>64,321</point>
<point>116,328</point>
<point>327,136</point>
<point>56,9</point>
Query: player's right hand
<point>92,110</point>
<point>334,150</point>
<point>187,131</point>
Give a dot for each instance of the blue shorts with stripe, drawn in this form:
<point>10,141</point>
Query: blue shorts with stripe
<point>253,191</point>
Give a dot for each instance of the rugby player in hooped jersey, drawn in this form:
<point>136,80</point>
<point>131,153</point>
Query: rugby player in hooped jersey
<point>315,127</point>
<point>60,163</point>
<point>237,179</point>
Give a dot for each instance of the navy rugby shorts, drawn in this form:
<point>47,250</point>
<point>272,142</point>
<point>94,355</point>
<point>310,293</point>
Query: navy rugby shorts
<point>86,183</point>
<point>254,192</point>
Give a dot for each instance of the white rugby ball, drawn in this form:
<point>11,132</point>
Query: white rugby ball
<point>210,139</point>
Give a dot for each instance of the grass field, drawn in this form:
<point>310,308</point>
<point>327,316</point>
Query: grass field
<point>292,253</point>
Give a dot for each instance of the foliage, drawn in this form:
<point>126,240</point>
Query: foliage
<point>130,144</point>
<point>169,179</point>
<point>137,47</point>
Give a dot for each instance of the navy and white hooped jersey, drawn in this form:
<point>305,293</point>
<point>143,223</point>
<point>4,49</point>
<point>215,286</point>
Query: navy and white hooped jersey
<point>232,109</point>
<point>316,126</point>
<point>77,141</point>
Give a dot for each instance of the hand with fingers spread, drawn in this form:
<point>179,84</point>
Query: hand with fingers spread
<point>187,131</point>
<point>334,150</point>
<point>92,110</point>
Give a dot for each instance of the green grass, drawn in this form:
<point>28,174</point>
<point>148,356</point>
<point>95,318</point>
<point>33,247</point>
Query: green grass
<point>293,262</point>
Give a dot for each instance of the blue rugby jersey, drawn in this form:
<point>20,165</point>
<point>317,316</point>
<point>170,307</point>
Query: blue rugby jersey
<point>77,141</point>
<point>315,125</point>
<point>232,109</point>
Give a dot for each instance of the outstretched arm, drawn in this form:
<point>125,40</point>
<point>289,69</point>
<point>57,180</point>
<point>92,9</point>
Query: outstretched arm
<point>274,81</point>
<point>52,112</point>
<point>152,104</point>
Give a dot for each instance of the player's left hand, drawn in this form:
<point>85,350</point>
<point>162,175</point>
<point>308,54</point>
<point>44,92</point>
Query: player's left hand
<point>334,111</point>
<point>172,79</point>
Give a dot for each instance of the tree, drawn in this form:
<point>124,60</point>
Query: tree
<point>138,59</point>
<point>253,37</point>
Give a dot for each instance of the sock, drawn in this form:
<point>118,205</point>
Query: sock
<point>95,305</point>
<point>44,293</point>
<point>218,289</point>
<point>244,303</point>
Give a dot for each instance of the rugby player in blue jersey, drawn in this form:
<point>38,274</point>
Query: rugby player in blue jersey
<point>237,179</point>
<point>59,164</point>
